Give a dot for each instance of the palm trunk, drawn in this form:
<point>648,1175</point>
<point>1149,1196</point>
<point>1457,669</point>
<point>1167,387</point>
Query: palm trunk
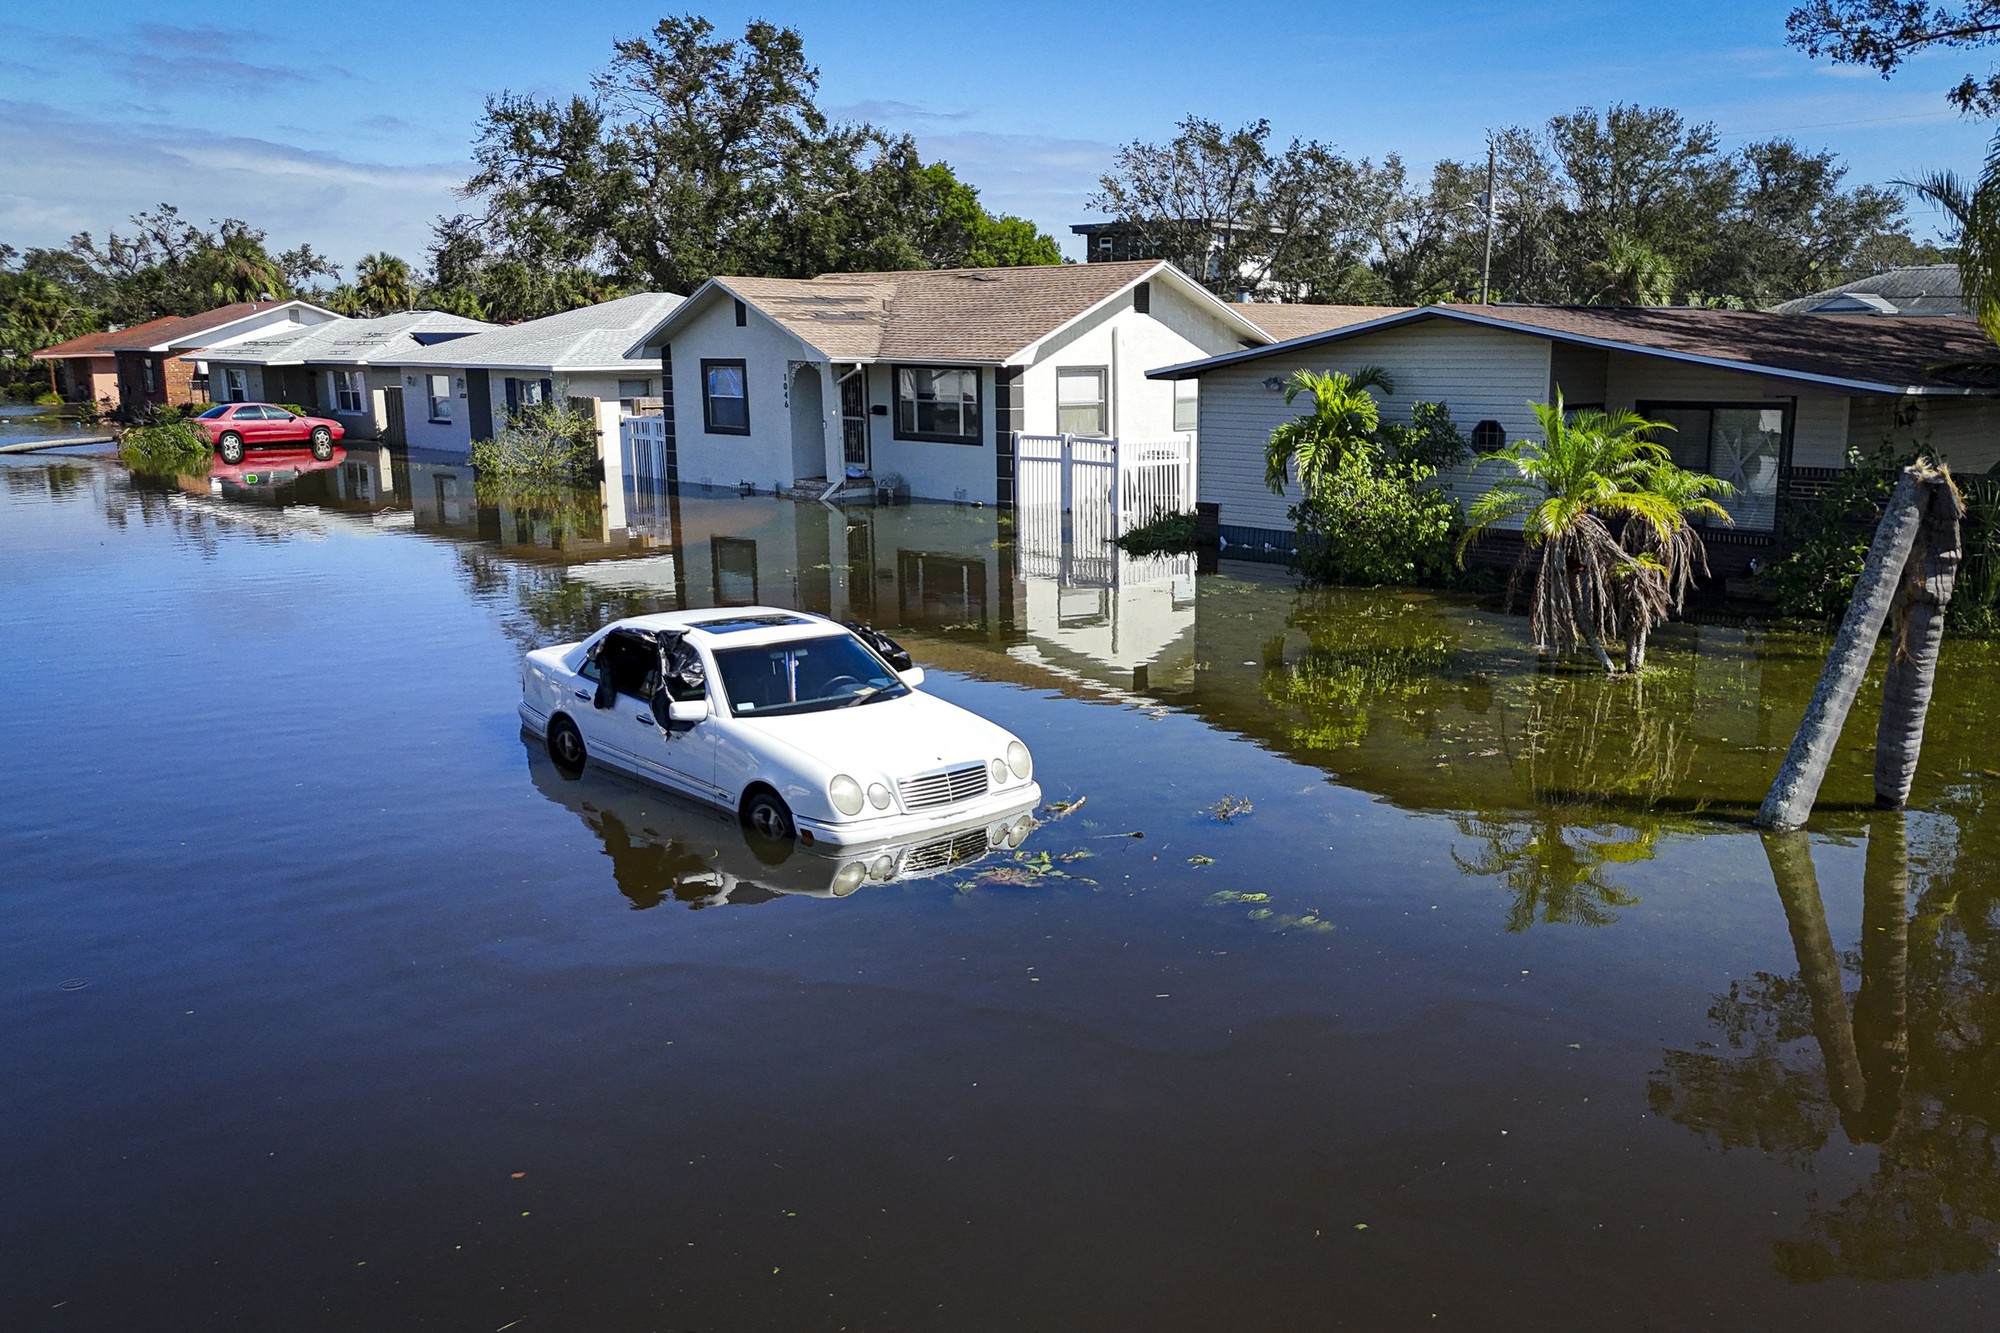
<point>1882,1009</point>
<point>1790,800</point>
<point>1790,855</point>
<point>1918,615</point>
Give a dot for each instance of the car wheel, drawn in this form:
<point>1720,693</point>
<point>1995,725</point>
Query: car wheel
<point>767,816</point>
<point>322,443</point>
<point>230,446</point>
<point>566,746</point>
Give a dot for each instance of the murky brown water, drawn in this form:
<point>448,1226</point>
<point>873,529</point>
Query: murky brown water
<point>1441,989</point>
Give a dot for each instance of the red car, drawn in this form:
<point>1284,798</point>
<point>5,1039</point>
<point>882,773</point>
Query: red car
<point>275,468</point>
<point>234,427</point>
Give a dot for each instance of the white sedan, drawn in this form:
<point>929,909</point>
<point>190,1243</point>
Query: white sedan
<point>796,723</point>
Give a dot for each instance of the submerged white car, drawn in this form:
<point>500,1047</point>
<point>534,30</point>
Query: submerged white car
<point>796,723</point>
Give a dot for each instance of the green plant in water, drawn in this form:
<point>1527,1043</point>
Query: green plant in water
<point>1169,534</point>
<point>546,443</point>
<point>168,448</point>
<point>1345,420</point>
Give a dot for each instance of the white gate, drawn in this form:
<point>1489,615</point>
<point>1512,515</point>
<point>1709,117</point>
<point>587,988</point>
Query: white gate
<point>1076,494</point>
<point>644,440</point>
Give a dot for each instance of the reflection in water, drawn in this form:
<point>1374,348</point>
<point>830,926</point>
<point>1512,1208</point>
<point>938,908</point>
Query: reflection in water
<point>1911,1069</point>
<point>662,847</point>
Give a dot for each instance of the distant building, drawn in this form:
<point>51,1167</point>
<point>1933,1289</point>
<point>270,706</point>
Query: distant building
<point>1922,289</point>
<point>156,362</point>
<point>1118,242</point>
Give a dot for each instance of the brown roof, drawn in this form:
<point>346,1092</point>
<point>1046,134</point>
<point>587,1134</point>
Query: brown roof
<point>1890,350</point>
<point>1299,321</point>
<point>154,332</point>
<point>953,314</point>
<point>1868,353</point>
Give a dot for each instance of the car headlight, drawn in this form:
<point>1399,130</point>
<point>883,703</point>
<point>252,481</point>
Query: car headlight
<point>1020,760</point>
<point>882,866</point>
<point>846,795</point>
<point>879,797</point>
<point>848,878</point>
<point>997,771</point>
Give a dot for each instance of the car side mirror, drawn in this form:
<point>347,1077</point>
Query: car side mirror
<point>669,711</point>
<point>912,678</point>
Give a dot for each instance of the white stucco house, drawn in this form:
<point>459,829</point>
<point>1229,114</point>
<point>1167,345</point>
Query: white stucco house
<point>349,369</point>
<point>459,391</point>
<point>1769,402</point>
<point>775,383</point>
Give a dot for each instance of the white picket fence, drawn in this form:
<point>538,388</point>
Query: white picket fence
<point>1076,494</point>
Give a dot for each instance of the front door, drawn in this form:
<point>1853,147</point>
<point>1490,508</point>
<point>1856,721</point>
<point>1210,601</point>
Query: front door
<point>392,412</point>
<point>854,417</point>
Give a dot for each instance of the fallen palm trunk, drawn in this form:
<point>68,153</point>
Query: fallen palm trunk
<point>1917,614</point>
<point>1883,576</point>
<point>1820,976</point>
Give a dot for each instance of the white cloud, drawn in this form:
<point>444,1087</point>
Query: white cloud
<point>69,173</point>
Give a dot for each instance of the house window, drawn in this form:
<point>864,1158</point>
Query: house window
<point>1080,405</point>
<point>1187,404</point>
<point>735,571</point>
<point>349,391</point>
<point>440,388</point>
<point>146,371</point>
<point>1488,436</point>
<point>725,398</point>
<point>1742,443</point>
<point>937,403</point>
<point>235,385</point>
<point>742,315</point>
<point>1104,247</point>
<point>527,393</point>
<point>635,388</point>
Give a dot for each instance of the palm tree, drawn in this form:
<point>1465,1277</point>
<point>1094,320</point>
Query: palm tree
<point>1665,561</point>
<point>1974,210</point>
<point>1345,419</point>
<point>1587,471</point>
<point>384,284</point>
<point>1633,273</point>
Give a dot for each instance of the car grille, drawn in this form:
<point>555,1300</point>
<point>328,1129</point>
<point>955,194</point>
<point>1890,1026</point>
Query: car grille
<point>945,852</point>
<point>928,790</point>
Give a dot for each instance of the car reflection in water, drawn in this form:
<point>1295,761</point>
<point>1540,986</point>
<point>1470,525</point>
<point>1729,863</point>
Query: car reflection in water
<point>268,468</point>
<point>664,847</point>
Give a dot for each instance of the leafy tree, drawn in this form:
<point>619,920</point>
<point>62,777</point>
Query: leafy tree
<point>1882,34</point>
<point>694,156</point>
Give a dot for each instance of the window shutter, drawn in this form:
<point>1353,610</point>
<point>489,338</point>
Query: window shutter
<point>513,395</point>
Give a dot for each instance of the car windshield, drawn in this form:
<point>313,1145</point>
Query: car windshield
<point>804,676</point>
<point>218,410</point>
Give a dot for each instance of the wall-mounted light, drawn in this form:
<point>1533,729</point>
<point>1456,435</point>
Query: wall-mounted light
<point>1273,382</point>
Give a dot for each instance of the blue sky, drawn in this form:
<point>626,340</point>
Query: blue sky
<point>348,124</point>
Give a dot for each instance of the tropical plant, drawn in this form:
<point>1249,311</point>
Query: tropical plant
<point>1169,534</point>
<point>1665,561</point>
<point>384,284</point>
<point>1370,520</point>
<point>546,443</point>
<point>1432,438</point>
<point>168,447</point>
<point>1973,211</point>
<point>1588,471</point>
<point>1345,420</point>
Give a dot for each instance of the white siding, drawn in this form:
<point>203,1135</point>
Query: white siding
<point>1481,374</point>
<point>1964,432</point>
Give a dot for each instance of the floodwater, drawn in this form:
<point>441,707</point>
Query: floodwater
<point>1381,980</point>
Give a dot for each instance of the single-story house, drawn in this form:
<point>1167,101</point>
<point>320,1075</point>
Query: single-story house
<point>349,369</point>
<point>159,362</point>
<point>459,391</point>
<point>1917,289</point>
<point>1768,402</point>
<point>776,383</point>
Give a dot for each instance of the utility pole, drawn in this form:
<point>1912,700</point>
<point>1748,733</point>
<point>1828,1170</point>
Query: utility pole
<point>1486,269</point>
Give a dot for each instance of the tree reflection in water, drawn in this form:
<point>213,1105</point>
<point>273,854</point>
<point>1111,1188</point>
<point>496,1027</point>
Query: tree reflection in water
<point>1911,1068</point>
<point>1586,746</point>
<point>1354,667</point>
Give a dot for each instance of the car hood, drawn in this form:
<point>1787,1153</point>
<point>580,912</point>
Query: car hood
<point>895,737</point>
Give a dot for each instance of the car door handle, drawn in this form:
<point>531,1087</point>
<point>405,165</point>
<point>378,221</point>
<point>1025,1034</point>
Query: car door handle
<point>585,694</point>
<point>647,718</point>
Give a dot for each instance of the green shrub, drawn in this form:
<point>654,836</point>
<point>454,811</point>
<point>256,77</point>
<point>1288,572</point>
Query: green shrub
<point>1169,534</point>
<point>1432,439</point>
<point>48,399</point>
<point>547,442</point>
<point>296,410</point>
<point>1372,521</point>
<point>166,449</point>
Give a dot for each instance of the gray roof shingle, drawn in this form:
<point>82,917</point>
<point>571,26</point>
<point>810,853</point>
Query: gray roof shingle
<point>1921,289</point>
<point>387,340</point>
<point>596,337</point>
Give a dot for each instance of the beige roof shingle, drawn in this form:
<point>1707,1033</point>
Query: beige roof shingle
<point>956,314</point>
<point>1299,321</point>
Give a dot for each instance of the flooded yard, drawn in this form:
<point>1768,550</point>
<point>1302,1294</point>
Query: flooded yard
<point>1382,978</point>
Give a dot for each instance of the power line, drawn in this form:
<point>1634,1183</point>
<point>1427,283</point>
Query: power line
<point>1831,125</point>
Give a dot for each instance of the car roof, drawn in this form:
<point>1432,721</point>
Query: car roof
<point>736,627</point>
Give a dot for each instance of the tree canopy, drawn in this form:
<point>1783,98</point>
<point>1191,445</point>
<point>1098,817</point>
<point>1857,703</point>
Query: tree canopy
<point>1882,34</point>
<point>694,155</point>
<point>1628,205</point>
